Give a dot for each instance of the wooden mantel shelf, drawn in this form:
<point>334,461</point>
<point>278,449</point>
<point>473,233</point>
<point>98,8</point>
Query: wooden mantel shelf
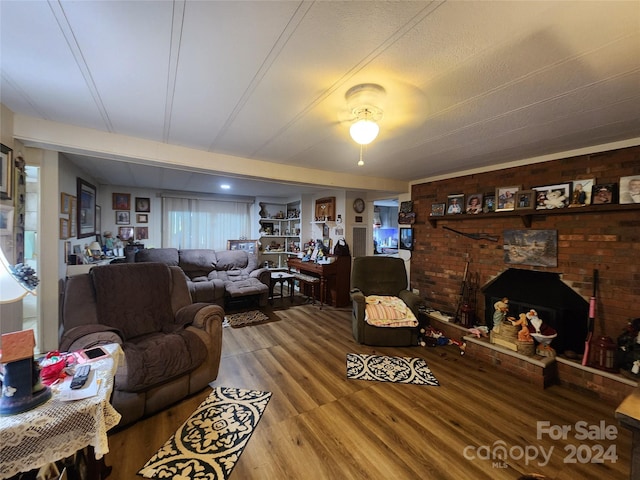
<point>527,216</point>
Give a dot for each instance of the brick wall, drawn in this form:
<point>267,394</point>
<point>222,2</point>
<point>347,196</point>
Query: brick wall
<point>608,241</point>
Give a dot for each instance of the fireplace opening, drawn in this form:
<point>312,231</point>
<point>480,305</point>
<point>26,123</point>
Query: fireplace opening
<point>557,304</point>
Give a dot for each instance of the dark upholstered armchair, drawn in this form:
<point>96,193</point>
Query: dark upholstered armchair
<point>381,276</point>
<point>171,346</point>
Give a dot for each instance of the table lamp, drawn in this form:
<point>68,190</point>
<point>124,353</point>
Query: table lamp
<point>96,250</point>
<point>21,386</point>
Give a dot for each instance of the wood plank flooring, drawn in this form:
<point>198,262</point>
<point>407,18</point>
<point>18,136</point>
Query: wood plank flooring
<point>319,425</point>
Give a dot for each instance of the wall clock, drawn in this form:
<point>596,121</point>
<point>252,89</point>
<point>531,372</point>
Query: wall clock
<point>358,205</point>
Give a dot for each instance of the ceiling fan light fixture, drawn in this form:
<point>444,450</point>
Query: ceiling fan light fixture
<point>364,131</point>
<point>364,100</point>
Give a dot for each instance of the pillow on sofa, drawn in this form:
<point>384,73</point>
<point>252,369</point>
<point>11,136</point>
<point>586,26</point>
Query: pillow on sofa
<point>168,256</point>
<point>234,260</point>
<point>198,260</point>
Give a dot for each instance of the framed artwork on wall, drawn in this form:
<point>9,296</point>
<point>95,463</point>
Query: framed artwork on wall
<point>6,172</point>
<point>531,247</point>
<point>65,203</point>
<point>143,204</point>
<point>506,198</point>
<point>86,209</point>
<point>455,204</point>
<point>98,219</point>
<point>123,217</point>
<point>525,200</point>
<point>553,196</point>
<point>126,233</point>
<point>489,203</point>
<point>437,209</point>
<point>64,228</point>
<point>474,204</point>
<point>604,194</point>
<point>73,217</point>
<point>581,192</point>
<point>250,246</point>
<point>121,201</point>
<point>630,189</point>
<point>142,233</point>
<point>67,251</point>
<point>6,220</point>
<point>406,239</point>
<point>142,218</point>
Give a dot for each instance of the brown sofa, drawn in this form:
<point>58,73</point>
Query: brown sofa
<point>215,276</point>
<point>171,346</point>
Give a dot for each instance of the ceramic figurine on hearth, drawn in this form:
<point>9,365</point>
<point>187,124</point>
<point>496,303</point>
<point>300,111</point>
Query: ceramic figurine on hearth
<point>542,333</point>
<point>523,335</point>
<point>500,314</point>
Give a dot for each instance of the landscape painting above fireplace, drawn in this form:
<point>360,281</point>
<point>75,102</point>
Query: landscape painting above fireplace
<point>538,248</point>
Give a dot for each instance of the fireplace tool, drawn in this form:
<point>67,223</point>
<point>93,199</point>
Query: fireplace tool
<point>591,319</point>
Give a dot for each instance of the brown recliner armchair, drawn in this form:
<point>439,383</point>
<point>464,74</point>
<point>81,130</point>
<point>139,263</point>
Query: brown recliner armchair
<point>381,276</point>
<point>171,346</point>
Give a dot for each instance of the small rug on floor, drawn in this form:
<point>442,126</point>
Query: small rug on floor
<point>210,442</point>
<point>382,368</point>
<point>245,318</point>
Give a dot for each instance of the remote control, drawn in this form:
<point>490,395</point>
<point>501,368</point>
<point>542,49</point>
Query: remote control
<point>80,376</point>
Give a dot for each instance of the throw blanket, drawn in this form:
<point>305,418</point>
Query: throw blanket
<point>387,311</point>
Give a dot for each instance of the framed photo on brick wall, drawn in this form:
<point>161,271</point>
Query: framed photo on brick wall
<point>506,198</point>
<point>604,194</point>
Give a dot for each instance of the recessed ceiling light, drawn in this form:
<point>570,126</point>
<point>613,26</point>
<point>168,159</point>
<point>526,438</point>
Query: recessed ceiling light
<point>225,186</point>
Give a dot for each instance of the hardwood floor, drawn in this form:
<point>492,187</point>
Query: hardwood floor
<point>320,425</point>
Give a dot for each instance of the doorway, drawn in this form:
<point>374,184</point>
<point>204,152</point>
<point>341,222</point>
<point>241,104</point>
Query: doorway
<point>31,303</point>
<point>385,227</point>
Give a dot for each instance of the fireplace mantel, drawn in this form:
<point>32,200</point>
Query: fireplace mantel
<point>527,216</point>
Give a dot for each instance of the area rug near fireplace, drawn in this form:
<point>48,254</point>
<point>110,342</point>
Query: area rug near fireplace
<point>382,368</point>
<point>245,318</point>
<point>210,442</point>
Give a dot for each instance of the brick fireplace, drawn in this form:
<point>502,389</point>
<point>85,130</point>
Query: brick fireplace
<point>557,304</point>
<point>588,238</point>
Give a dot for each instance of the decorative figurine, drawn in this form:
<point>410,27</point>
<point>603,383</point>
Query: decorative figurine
<point>501,308</point>
<point>542,333</point>
<point>524,334</point>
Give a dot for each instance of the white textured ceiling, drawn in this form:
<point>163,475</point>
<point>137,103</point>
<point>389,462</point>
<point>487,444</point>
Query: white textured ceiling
<point>469,83</point>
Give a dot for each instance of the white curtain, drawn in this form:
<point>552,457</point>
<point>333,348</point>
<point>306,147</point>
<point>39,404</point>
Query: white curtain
<point>201,223</point>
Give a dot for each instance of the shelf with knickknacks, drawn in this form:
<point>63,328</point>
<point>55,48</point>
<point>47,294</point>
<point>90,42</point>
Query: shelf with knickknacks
<point>279,232</point>
<point>527,216</point>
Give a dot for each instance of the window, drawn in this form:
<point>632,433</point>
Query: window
<point>202,223</point>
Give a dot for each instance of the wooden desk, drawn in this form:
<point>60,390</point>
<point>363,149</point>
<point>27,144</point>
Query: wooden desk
<point>335,278</point>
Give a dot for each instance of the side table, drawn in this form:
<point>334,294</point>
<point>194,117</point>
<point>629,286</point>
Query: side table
<point>57,429</point>
<point>281,278</point>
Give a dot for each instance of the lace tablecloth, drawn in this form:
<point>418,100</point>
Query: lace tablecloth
<point>57,429</point>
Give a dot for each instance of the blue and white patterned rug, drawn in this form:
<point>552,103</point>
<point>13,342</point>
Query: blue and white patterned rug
<point>210,442</point>
<point>381,368</point>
